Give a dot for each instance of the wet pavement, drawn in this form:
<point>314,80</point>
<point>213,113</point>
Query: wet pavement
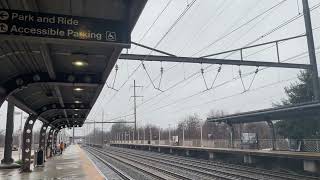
<point>73,164</point>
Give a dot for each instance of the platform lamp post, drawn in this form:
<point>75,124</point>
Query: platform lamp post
<point>159,135</point>
<point>121,137</point>
<point>183,127</point>
<point>169,135</point>
<point>129,137</point>
<point>144,134</point>
<point>150,134</point>
<point>201,138</point>
<point>138,135</point>
<point>20,132</point>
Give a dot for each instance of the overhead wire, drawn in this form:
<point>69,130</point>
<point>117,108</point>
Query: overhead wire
<point>236,94</point>
<point>157,44</point>
<point>239,27</point>
<point>226,82</point>
<point>220,10</point>
<point>251,83</point>
<point>144,35</point>
<point>167,32</point>
<point>154,22</point>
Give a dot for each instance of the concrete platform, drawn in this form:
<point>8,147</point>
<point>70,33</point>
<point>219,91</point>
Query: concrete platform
<point>304,161</point>
<point>73,164</point>
<point>265,153</point>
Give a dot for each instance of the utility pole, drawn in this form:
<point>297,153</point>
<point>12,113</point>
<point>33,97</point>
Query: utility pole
<point>150,134</point>
<point>159,135</point>
<point>102,138</point>
<point>94,131</point>
<point>73,134</point>
<point>135,104</point>
<point>182,135</point>
<point>169,135</point>
<point>144,134</point>
<point>311,50</point>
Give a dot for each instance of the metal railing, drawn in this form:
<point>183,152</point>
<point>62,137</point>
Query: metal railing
<point>307,145</point>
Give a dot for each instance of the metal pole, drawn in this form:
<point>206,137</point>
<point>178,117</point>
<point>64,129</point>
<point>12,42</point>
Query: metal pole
<point>102,140</point>
<point>138,137</point>
<point>201,143</point>
<point>311,50</point>
<point>20,136</point>
<point>135,105</point>
<point>129,137</point>
<point>73,135</point>
<point>144,134</point>
<point>133,137</point>
<point>169,135</point>
<point>150,135</point>
<point>159,135</point>
<point>7,158</point>
<point>94,131</point>
<point>182,136</point>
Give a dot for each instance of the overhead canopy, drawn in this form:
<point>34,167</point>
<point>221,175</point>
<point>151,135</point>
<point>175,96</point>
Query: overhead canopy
<point>55,56</point>
<point>302,111</point>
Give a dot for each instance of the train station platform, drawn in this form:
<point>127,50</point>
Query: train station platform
<point>308,161</point>
<point>72,164</point>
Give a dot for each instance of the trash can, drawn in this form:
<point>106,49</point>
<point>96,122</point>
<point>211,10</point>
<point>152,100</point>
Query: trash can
<point>40,157</point>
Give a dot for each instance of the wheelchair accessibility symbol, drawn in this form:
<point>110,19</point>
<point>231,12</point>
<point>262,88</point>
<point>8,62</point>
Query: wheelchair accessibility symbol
<point>3,27</point>
<point>111,36</point>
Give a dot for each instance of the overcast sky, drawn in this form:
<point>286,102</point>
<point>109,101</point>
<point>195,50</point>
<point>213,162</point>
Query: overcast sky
<point>206,27</point>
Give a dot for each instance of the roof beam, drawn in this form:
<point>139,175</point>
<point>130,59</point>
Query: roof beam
<point>22,106</point>
<point>45,53</point>
<point>139,57</point>
<point>280,113</point>
<point>108,122</point>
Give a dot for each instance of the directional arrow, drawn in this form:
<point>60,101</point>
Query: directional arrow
<point>4,15</point>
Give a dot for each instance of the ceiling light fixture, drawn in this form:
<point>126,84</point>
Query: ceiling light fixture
<point>78,89</point>
<point>80,63</point>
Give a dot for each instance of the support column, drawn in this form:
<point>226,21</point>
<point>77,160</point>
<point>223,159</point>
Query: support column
<point>211,155</point>
<point>311,50</point>
<point>273,134</point>
<point>49,142</point>
<point>201,139</point>
<point>182,136</point>
<point>311,166</point>
<point>55,135</point>
<point>26,143</point>
<point>231,140</point>
<point>73,135</point>
<point>159,136</point>
<point>7,161</point>
<point>42,141</point>
<point>42,138</point>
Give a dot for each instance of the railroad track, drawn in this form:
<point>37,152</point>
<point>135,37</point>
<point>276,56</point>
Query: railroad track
<point>244,171</point>
<point>176,170</point>
<point>145,169</point>
<point>120,173</point>
<point>191,168</point>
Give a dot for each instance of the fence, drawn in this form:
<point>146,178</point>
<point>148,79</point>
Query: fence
<point>307,145</point>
